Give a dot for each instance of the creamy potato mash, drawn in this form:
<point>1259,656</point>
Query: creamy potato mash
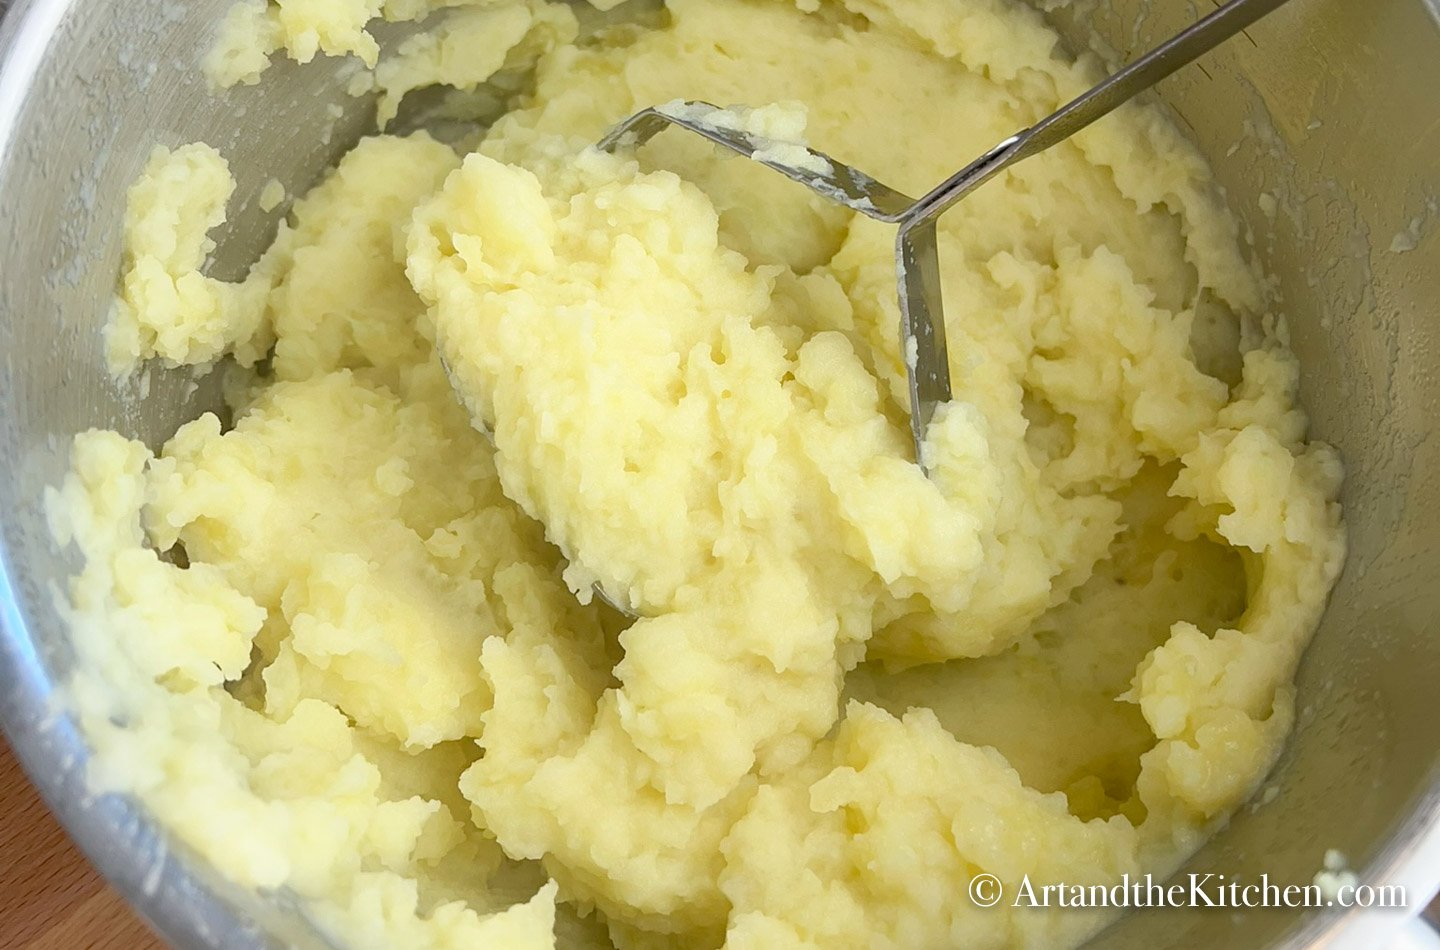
<point>342,642</point>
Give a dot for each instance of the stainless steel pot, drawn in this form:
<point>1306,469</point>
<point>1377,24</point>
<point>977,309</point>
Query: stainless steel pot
<point>1324,126</point>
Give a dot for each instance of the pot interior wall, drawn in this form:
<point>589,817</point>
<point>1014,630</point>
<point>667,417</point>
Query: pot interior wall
<point>1306,111</point>
<point>1327,114</point>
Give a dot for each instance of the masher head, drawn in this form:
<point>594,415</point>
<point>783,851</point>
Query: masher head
<point>917,267</point>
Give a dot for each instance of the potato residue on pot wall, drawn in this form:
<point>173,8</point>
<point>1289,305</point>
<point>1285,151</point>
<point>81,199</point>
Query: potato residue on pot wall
<point>337,647</point>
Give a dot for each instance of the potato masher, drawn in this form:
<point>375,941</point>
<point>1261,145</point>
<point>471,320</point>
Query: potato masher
<point>922,324</point>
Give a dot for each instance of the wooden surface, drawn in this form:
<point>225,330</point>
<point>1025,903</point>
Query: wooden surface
<point>50,896</point>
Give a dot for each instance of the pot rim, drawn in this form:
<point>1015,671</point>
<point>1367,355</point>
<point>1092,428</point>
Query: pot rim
<point>164,886</point>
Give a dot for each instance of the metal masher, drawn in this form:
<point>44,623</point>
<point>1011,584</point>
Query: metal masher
<point>917,266</point>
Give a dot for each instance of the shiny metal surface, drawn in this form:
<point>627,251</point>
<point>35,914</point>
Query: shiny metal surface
<point>917,264</point>
<point>1324,128</point>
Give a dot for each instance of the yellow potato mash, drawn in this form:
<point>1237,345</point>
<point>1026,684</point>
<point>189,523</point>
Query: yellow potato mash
<point>343,642</point>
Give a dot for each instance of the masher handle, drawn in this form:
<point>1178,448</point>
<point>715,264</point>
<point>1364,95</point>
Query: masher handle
<point>1183,48</point>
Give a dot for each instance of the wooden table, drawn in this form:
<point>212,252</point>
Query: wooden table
<point>50,896</point>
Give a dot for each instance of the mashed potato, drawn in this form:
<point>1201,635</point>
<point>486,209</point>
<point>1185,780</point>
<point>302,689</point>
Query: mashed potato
<point>343,642</point>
